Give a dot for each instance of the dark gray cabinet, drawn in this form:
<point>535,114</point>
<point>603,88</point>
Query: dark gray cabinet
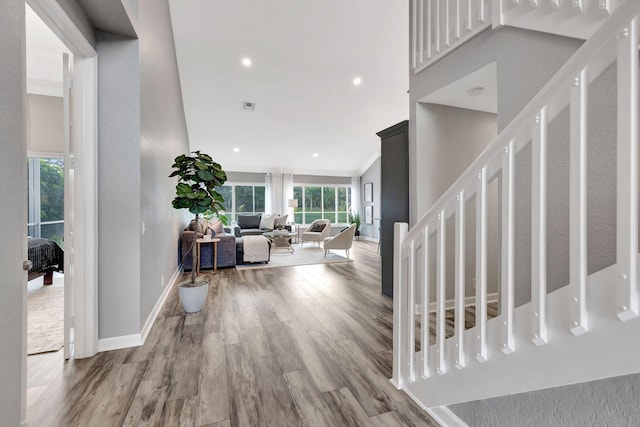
<point>394,193</point>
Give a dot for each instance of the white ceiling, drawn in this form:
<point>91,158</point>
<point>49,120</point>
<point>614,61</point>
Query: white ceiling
<point>457,94</point>
<point>44,57</point>
<point>305,55</point>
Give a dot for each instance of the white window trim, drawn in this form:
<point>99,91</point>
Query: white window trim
<point>233,185</point>
<point>337,212</point>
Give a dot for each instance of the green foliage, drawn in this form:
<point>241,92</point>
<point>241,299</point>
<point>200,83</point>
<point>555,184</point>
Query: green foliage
<point>198,176</point>
<point>51,190</point>
<point>354,218</point>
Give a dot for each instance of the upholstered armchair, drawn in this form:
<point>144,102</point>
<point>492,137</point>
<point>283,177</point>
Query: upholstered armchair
<point>318,230</point>
<point>342,240</point>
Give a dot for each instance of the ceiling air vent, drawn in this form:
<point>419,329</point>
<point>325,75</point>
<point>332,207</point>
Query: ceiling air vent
<point>249,106</point>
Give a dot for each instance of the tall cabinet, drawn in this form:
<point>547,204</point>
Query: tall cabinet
<point>394,193</point>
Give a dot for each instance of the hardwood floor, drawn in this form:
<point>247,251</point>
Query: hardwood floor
<point>307,345</point>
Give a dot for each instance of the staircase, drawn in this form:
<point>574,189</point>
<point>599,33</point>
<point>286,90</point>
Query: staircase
<point>583,331</point>
<point>440,26</point>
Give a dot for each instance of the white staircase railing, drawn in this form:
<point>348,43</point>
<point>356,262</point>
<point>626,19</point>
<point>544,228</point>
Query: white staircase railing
<point>440,26</point>
<point>555,330</point>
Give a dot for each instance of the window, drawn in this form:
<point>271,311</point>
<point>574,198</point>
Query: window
<point>45,193</point>
<point>328,202</point>
<point>243,199</point>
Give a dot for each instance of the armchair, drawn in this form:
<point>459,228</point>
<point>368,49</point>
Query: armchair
<point>323,229</point>
<point>342,240</point>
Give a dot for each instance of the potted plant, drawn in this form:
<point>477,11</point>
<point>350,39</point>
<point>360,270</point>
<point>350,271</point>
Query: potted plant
<point>354,218</point>
<point>198,176</point>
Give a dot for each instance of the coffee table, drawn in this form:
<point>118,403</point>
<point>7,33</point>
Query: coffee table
<point>281,241</point>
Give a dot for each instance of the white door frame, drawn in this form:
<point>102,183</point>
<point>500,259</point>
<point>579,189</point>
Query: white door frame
<point>83,258</point>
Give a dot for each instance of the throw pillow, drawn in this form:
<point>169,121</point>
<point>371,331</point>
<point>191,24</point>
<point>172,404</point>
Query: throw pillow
<point>249,221</point>
<point>217,227</point>
<point>280,221</point>
<point>317,227</point>
<point>267,220</point>
<point>203,225</point>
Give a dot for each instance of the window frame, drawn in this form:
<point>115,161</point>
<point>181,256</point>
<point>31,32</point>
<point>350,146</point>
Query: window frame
<point>302,210</point>
<point>233,214</point>
<point>34,199</point>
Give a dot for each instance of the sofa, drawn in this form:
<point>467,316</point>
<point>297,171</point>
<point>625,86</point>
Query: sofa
<point>230,248</point>
<point>226,245</point>
<point>258,224</point>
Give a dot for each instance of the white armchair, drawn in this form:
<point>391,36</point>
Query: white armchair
<point>316,236</point>
<point>342,240</point>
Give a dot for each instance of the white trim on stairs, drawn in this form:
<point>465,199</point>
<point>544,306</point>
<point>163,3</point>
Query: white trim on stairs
<point>441,414</point>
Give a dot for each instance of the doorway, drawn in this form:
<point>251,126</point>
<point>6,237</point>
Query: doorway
<point>78,161</point>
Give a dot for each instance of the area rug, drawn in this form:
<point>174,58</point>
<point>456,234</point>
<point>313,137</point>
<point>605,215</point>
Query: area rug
<point>305,255</point>
<point>45,319</point>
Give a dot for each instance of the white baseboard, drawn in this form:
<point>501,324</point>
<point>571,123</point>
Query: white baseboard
<point>369,239</point>
<point>151,319</point>
<point>445,417</point>
<point>134,340</point>
<point>441,414</point>
<point>116,343</point>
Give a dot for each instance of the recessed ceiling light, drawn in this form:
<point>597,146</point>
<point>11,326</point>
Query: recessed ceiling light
<point>315,154</point>
<point>475,91</point>
<point>357,81</point>
<point>246,62</point>
<point>236,150</point>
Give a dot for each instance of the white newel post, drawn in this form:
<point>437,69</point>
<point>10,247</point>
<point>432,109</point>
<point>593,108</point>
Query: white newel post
<point>400,309</point>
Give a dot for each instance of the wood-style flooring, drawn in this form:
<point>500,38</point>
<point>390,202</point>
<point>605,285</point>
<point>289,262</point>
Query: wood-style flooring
<point>292,346</point>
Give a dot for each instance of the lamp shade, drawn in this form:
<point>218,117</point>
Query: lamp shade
<point>293,203</point>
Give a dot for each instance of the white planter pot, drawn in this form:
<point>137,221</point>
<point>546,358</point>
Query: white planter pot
<point>193,298</point>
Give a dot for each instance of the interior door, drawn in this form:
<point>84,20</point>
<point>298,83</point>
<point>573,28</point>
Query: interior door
<point>68,204</point>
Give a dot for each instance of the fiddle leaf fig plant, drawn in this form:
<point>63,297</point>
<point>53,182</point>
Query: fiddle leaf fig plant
<point>198,176</point>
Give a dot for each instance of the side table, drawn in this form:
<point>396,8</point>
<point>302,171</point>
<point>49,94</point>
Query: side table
<point>215,252</point>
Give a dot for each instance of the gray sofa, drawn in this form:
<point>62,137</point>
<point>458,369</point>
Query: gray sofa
<point>230,248</point>
<point>249,225</point>
<point>226,249</point>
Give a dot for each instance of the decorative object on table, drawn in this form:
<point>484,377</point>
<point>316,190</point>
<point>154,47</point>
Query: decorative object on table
<point>198,176</point>
<point>368,214</point>
<point>368,192</point>
<point>354,218</point>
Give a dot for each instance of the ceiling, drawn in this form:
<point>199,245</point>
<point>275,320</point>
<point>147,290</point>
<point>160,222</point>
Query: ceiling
<point>475,91</point>
<point>305,55</point>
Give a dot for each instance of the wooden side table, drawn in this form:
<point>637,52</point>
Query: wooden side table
<point>215,252</point>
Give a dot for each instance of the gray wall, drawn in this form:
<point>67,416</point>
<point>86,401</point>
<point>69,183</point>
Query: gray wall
<point>612,402</point>
<point>13,207</point>
<point>248,177</point>
<point>450,140</point>
<point>163,137</point>
<point>525,61</point>
<point>118,186</point>
<point>371,175</point>
<point>319,179</point>
<point>142,129</point>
